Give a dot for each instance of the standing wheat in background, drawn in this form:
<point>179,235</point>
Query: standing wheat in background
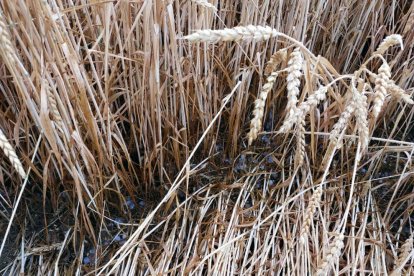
<point>11,154</point>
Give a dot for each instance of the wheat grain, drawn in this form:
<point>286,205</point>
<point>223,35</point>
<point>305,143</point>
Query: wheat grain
<point>334,253</point>
<point>309,212</point>
<point>205,4</point>
<point>403,257</point>
<point>11,154</point>
<point>277,58</point>
<point>256,122</point>
<point>389,41</point>
<point>384,75</point>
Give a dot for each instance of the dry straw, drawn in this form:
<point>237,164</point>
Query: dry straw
<point>11,154</point>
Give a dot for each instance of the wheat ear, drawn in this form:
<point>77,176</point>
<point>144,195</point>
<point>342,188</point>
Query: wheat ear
<point>276,59</point>
<point>234,34</point>
<point>6,47</point>
<point>11,154</point>
<point>333,254</point>
<point>398,93</point>
<point>294,69</point>
<point>54,108</point>
<point>311,102</point>
<point>361,118</point>
<point>258,112</point>
<point>205,4</point>
<point>309,212</point>
<point>381,80</point>
<point>389,41</point>
<point>301,143</point>
<point>403,257</point>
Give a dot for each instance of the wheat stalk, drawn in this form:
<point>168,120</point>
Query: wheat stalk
<point>333,254</point>
<point>389,41</point>
<point>11,154</point>
<point>258,112</point>
<point>309,212</point>
<point>381,80</point>
<point>205,4</point>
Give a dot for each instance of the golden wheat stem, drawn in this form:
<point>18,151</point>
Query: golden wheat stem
<point>11,155</point>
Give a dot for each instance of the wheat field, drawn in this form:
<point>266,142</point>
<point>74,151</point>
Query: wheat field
<point>206,137</point>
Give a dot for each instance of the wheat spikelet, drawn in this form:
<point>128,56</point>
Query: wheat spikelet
<point>312,101</point>
<point>384,75</point>
<point>294,69</point>
<point>11,154</point>
<point>389,41</point>
<point>6,48</point>
<point>205,4</point>
<point>403,257</point>
<point>256,122</point>
<point>277,58</point>
<point>334,253</point>
<point>235,34</point>
<point>309,212</point>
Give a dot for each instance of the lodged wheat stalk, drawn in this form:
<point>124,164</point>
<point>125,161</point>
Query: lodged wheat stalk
<point>294,69</point>
<point>309,212</point>
<point>381,80</point>
<point>333,254</point>
<point>11,154</point>
<point>205,4</point>
<point>403,257</point>
<point>389,41</point>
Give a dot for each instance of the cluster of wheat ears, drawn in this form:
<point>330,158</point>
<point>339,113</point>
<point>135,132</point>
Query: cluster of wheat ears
<point>124,106</point>
<point>366,94</point>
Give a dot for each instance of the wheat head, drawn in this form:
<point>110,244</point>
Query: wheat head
<point>333,254</point>
<point>6,48</point>
<point>258,112</point>
<point>389,41</point>
<point>381,80</point>
<point>294,69</point>
<point>234,34</point>
<point>205,4</point>
<point>11,155</point>
<point>309,212</point>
